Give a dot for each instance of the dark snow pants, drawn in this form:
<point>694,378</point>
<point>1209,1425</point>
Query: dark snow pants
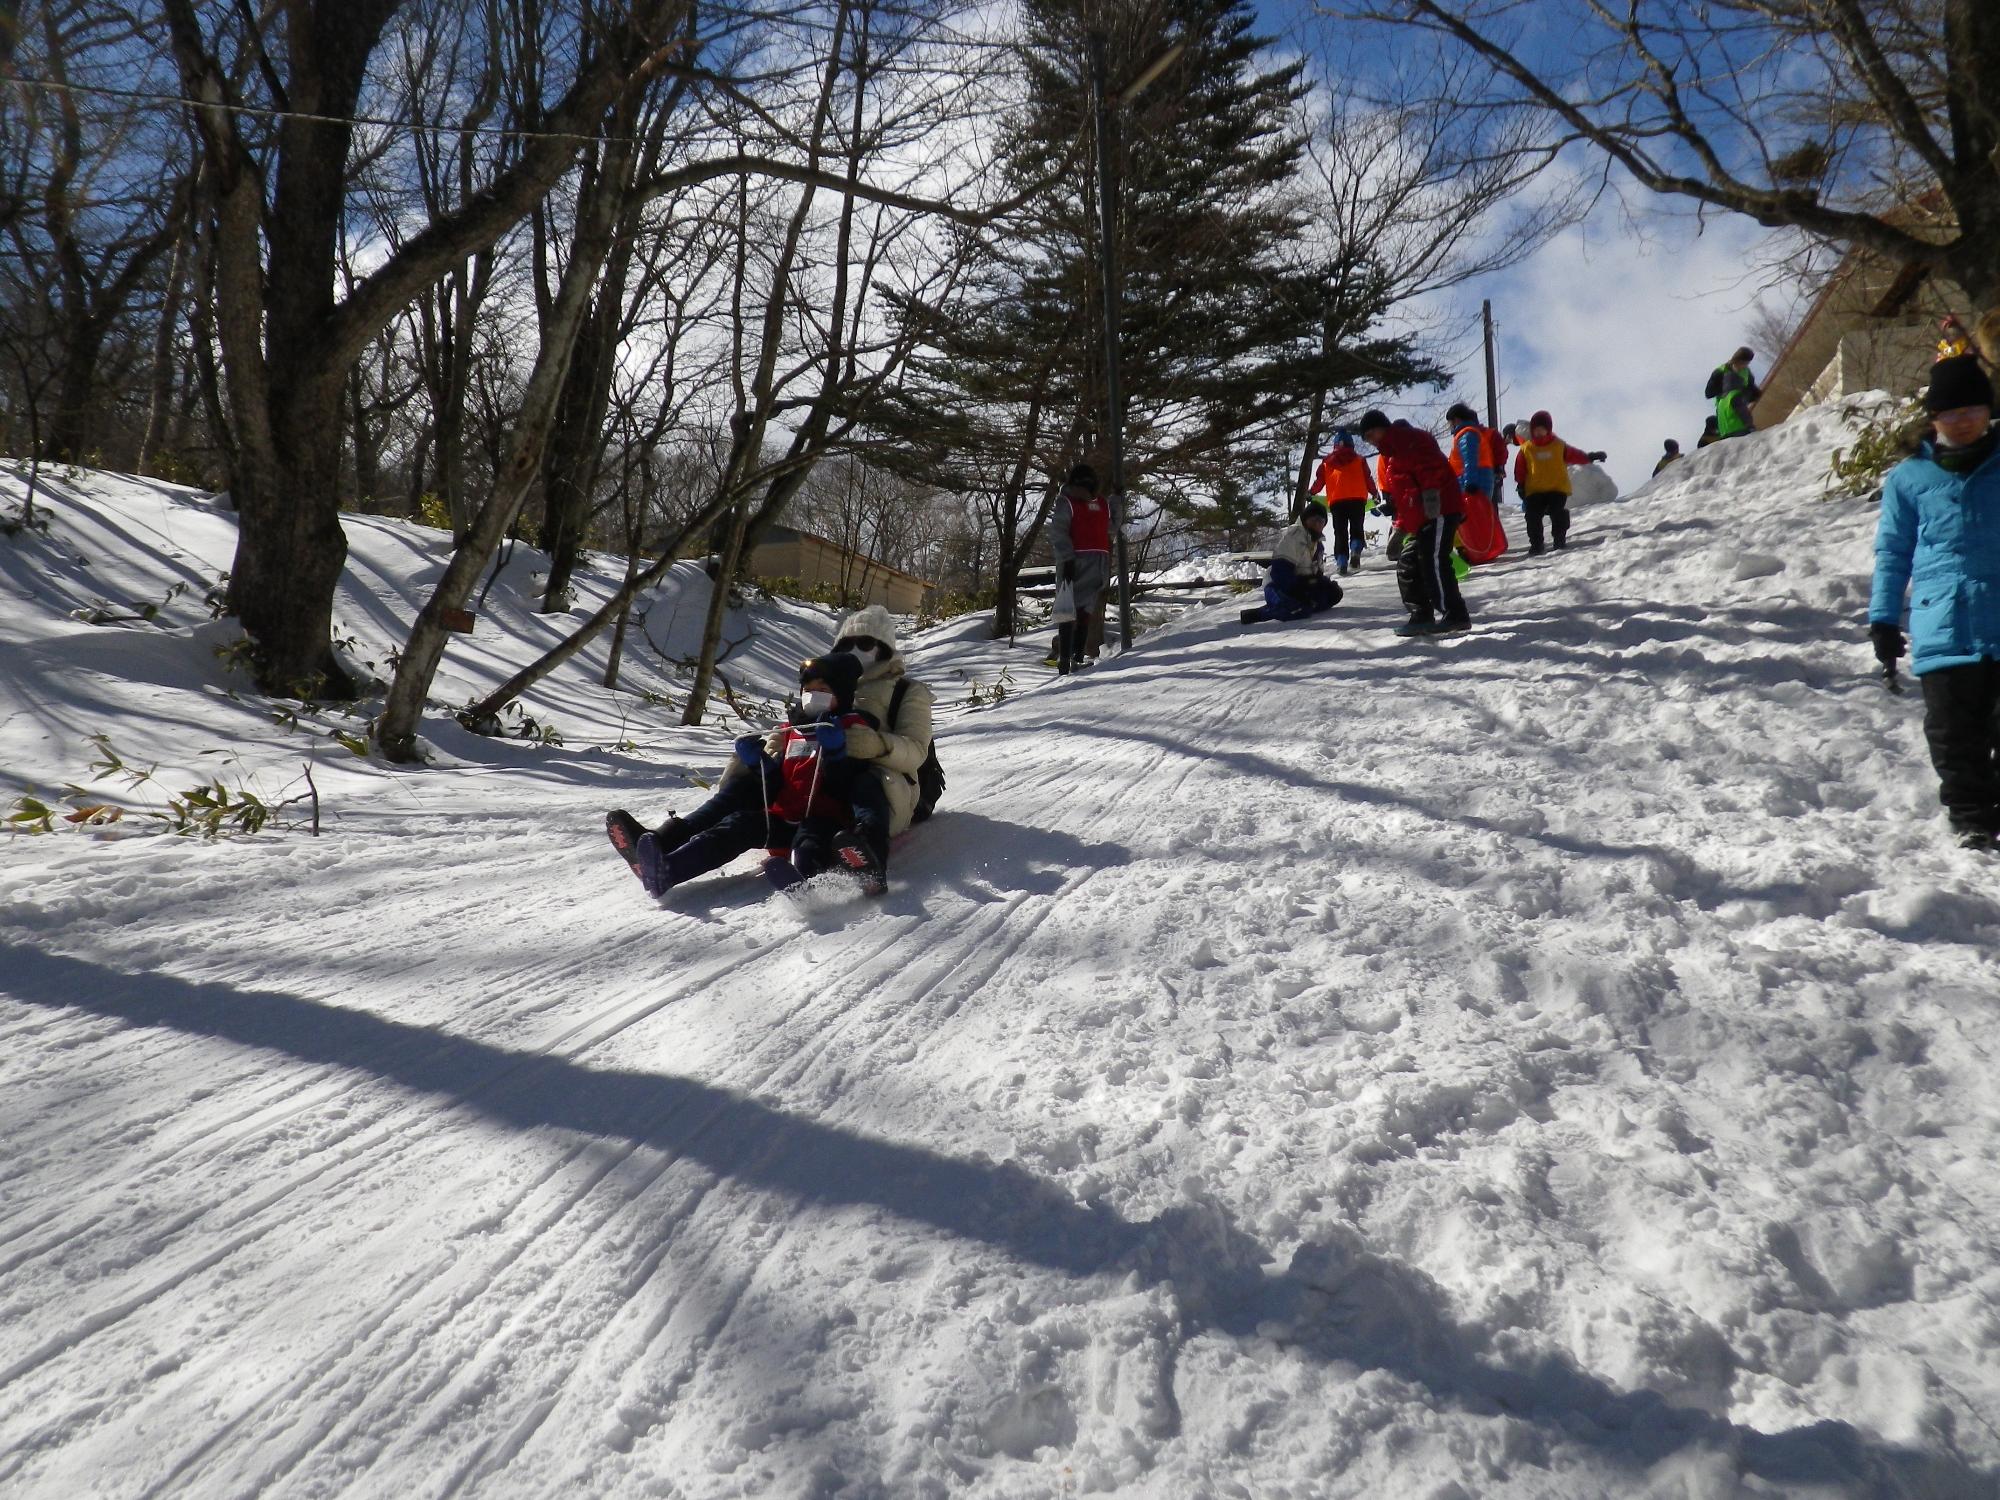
<point>859,785</point>
<point>1962,726</point>
<point>733,821</point>
<point>1553,504</point>
<point>810,841</point>
<point>1424,575</point>
<point>1349,516</point>
<point>1308,597</point>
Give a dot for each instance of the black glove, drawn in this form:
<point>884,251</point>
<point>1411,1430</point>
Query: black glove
<point>1066,572</point>
<point>1599,456</point>
<point>1888,641</point>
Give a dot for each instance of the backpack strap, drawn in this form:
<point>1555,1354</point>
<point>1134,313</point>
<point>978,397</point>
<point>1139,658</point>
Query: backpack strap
<point>896,696</point>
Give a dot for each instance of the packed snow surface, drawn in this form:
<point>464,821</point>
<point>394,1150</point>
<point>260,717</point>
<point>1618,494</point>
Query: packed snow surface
<point>1552,1061</point>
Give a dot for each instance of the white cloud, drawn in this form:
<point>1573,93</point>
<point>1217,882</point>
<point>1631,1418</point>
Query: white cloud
<point>1614,326</point>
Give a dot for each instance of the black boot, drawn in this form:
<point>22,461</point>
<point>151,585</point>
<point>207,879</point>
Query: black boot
<point>624,831</point>
<point>859,855</point>
<point>1065,648</point>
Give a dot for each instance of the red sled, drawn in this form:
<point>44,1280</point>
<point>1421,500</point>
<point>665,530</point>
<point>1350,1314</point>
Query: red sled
<point>1481,537</point>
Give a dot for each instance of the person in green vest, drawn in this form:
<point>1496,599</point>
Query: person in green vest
<point>1734,392</point>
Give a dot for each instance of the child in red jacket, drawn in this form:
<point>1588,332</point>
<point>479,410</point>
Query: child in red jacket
<point>1429,508</point>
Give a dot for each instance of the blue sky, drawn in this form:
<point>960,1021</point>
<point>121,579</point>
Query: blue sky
<point>1613,325</point>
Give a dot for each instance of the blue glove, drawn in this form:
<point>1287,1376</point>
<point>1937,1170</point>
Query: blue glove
<point>750,750</point>
<point>832,739</point>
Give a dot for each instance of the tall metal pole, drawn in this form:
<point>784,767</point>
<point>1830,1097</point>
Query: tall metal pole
<point>1107,270</point>
<point>1492,386</point>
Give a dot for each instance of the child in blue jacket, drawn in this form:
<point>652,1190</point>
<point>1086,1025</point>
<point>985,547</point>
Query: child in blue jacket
<point>1939,541</point>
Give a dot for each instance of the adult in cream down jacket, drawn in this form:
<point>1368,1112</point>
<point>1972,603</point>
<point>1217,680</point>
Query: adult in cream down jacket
<point>879,757</point>
<point>893,752</point>
<point>897,749</point>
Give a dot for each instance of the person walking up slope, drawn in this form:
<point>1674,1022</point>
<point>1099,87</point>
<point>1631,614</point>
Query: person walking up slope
<point>1734,392</point>
<point>1348,486</point>
<point>1080,538</point>
<point>1938,541</point>
<point>1541,475</point>
<point>1479,458</point>
<point>1429,509</point>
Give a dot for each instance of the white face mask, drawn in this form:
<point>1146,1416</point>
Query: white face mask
<point>816,703</point>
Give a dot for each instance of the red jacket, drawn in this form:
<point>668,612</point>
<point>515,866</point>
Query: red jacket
<point>800,789</point>
<point>1411,463</point>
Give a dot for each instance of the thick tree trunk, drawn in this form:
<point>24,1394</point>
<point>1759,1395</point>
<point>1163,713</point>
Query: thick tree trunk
<point>290,549</point>
<point>69,424</point>
<point>287,343</point>
<point>571,471</point>
<point>1006,604</point>
<point>160,394</point>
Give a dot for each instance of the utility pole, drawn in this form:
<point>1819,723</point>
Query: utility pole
<point>1492,387</point>
<point>1105,105</point>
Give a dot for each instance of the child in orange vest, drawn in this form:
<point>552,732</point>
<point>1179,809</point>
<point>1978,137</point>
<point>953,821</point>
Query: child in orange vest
<point>1348,486</point>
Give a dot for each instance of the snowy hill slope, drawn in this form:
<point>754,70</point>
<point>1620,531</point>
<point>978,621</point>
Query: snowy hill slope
<point>1553,1061</point>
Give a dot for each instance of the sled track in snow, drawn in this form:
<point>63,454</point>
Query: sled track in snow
<point>374,1140</point>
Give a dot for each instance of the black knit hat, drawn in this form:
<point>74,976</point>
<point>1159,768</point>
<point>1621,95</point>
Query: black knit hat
<point>1461,414</point>
<point>839,670</point>
<point>1370,420</point>
<point>1957,382</point>
<point>1084,475</point>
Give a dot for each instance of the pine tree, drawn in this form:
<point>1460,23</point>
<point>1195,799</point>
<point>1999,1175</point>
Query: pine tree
<point>1224,311</point>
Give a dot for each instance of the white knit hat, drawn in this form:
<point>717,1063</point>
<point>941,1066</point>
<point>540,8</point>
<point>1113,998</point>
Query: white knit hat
<point>872,620</point>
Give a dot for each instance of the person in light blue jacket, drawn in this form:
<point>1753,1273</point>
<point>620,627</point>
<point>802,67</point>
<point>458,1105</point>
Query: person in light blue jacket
<point>1938,541</point>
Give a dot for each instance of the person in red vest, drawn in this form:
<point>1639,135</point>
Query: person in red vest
<point>1080,538</point>
<point>1429,508</point>
<point>1348,486</point>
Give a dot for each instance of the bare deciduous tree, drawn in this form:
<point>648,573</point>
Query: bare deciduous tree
<point>1873,124</point>
<point>288,341</point>
<point>94,215</point>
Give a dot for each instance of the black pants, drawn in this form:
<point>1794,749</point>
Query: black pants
<point>1962,724</point>
<point>1348,518</point>
<point>1551,503</point>
<point>738,832</point>
<point>733,821</point>
<point>1424,574</point>
<point>1309,597</point>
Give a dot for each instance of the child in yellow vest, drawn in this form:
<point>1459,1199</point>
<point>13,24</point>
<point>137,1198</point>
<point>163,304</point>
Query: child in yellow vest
<point>1541,478</point>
